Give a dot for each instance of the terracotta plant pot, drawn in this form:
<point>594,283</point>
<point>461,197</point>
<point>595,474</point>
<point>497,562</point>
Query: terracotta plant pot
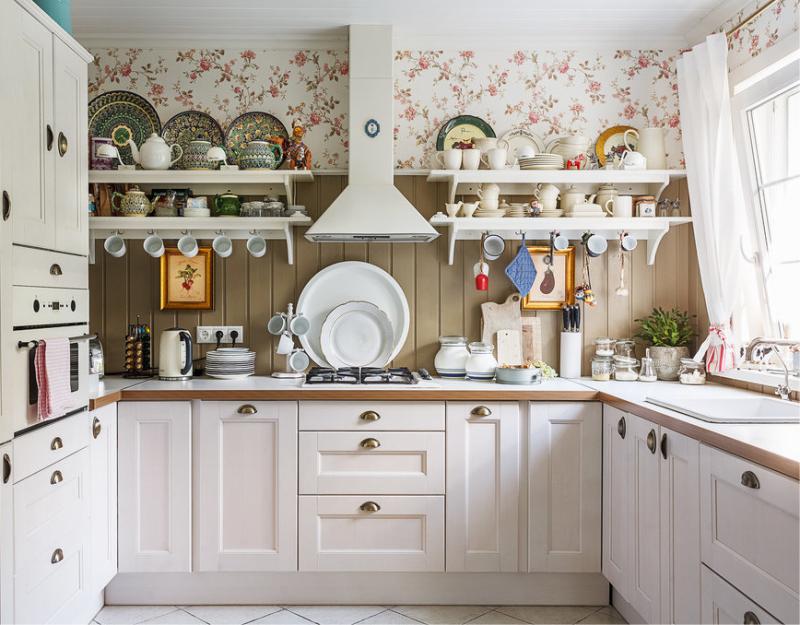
<point>667,361</point>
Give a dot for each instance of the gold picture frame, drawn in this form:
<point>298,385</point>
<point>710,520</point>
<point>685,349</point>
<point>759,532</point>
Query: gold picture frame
<point>187,283</point>
<point>563,269</point>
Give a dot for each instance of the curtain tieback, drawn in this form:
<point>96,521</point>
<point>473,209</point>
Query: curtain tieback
<point>718,349</point>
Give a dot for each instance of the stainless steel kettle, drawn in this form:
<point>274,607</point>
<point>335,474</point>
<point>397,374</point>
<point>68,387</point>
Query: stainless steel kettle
<point>175,355</point>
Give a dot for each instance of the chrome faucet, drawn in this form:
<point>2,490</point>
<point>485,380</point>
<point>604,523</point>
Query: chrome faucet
<point>782,390</point>
<point>762,340</point>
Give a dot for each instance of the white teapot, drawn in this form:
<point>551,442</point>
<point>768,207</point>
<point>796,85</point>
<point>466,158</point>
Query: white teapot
<point>571,197</point>
<point>155,153</point>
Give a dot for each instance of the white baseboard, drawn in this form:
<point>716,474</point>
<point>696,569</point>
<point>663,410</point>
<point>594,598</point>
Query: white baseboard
<point>358,588</point>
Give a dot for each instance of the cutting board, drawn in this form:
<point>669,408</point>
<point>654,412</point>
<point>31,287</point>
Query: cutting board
<point>505,316</point>
<point>531,338</point>
<point>509,347</point>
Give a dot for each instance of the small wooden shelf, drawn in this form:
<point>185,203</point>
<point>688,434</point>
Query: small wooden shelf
<point>273,228</point>
<point>650,229</point>
<point>244,182</point>
<point>521,181</point>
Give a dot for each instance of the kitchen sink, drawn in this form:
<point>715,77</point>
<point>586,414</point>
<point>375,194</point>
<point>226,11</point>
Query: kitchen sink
<point>732,409</point>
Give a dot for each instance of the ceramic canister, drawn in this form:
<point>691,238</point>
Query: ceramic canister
<point>451,359</point>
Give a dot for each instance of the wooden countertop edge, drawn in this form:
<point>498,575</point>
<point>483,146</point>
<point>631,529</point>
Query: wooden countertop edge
<point>105,400</point>
<point>783,465</point>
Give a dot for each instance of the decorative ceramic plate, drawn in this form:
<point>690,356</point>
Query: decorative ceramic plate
<point>520,137</point>
<point>251,127</point>
<point>611,141</point>
<point>462,128</point>
<point>187,126</point>
<point>123,115</point>
<point>357,334</point>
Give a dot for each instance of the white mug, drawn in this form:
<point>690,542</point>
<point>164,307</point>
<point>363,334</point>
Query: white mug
<point>471,158</point>
<point>560,242</point>
<point>298,360</point>
<point>277,324</point>
<point>628,243</point>
<point>484,144</point>
<point>115,245</point>
<point>623,206</point>
<point>187,245</point>
<point>257,246</point>
<point>154,246</point>
<point>222,246</point>
<point>299,325</point>
<point>285,344</point>
<point>596,245</point>
<point>490,204</point>
<point>495,158</point>
<point>449,159</point>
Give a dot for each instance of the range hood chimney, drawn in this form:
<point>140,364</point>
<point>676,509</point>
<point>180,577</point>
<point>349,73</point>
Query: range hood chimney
<point>370,208</point>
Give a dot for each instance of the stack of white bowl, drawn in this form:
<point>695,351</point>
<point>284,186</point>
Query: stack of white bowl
<point>486,212</point>
<point>518,210</point>
<point>542,161</point>
<point>230,363</point>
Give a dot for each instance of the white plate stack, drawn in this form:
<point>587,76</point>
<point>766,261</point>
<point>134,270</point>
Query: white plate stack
<point>542,161</point>
<point>518,210</point>
<point>230,363</point>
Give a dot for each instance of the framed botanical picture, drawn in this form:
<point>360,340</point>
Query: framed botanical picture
<point>554,285</point>
<point>187,283</point>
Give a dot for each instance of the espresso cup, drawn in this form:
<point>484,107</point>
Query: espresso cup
<point>560,242</point>
<point>222,246</point>
<point>154,246</point>
<point>187,245</point>
<point>495,158</point>
<point>470,159</point>
<point>257,246</point>
<point>449,159</point>
<point>115,245</point>
<point>628,243</point>
<point>595,245</point>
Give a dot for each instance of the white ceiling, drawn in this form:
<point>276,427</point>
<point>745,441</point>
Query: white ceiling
<point>462,23</point>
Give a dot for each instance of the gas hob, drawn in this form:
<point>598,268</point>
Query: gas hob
<point>360,375</point>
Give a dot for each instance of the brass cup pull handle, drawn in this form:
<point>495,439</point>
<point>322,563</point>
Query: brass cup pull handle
<point>247,409</point>
<point>97,427</point>
<point>481,411</point>
<point>622,428</point>
<point>55,270</point>
<point>6,205</point>
<point>651,441</point>
<point>370,443</point>
<point>57,477</point>
<point>664,445</point>
<point>56,443</point>
<point>58,556</point>
<point>63,144</point>
<point>369,506</point>
<point>750,480</point>
<point>751,619</point>
<point>369,415</point>
<point>50,137</point>
<point>6,468</point>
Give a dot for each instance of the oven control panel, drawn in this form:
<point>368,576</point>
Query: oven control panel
<point>36,306</point>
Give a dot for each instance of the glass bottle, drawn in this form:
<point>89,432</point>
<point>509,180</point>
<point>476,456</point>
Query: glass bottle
<point>647,372</point>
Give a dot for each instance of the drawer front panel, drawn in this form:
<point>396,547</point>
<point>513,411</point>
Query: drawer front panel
<point>372,415</point>
<point>724,604</point>
<point>750,531</point>
<point>371,533</point>
<point>43,446</point>
<point>341,463</point>
<point>32,267</point>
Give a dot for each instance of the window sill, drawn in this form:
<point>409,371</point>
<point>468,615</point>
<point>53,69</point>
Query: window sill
<point>760,377</point>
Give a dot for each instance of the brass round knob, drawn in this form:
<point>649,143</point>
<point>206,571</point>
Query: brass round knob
<point>370,415</point>
<point>481,411</point>
<point>370,443</point>
<point>369,506</point>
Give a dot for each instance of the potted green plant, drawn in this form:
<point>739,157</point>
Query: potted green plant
<point>669,333</point>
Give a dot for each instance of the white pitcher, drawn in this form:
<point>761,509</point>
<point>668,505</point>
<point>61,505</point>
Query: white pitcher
<point>650,145</point>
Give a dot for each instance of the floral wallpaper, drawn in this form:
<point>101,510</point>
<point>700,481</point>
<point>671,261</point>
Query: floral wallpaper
<point>778,21</point>
<point>550,92</point>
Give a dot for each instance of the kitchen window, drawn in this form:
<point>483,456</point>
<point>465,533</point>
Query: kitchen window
<point>768,117</point>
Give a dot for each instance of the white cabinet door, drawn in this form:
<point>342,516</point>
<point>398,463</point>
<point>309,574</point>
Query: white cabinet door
<point>564,481</point>
<point>28,113</point>
<point>371,533</point>
<point>246,468</point>
<point>483,466</point>
<point>645,567</point>
<point>71,150</point>
<point>725,605</point>
<point>680,528</point>
<point>6,534</point>
<point>155,486</point>
<point>616,500</point>
<point>103,457</point>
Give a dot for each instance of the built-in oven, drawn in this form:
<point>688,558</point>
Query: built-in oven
<point>42,314</point>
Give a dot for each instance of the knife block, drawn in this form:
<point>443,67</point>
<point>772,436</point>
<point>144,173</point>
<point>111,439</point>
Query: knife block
<point>571,354</point>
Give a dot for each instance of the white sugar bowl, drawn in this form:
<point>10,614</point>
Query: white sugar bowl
<point>481,364</point>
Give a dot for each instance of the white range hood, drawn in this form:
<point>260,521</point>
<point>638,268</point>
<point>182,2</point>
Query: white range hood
<point>371,208</point>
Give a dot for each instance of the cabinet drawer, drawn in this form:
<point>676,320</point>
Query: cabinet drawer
<point>43,446</point>
<point>371,415</point>
<point>750,534</point>
<point>32,267</point>
<point>723,604</point>
<point>371,533</point>
<point>341,463</point>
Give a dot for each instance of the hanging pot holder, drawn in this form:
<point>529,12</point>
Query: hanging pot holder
<point>521,271</point>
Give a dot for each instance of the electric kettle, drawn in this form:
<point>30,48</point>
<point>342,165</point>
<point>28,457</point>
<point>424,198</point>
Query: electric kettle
<point>175,355</point>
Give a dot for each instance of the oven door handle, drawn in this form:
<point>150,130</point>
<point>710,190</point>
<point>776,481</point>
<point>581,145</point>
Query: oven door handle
<point>71,339</point>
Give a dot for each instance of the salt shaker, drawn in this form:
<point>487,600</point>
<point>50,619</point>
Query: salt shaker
<point>647,373</point>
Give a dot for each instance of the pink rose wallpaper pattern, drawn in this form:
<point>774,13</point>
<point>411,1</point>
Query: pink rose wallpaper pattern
<point>778,21</point>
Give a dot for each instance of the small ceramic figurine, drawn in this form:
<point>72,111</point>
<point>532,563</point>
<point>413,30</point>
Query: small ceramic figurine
<point>298,153</point>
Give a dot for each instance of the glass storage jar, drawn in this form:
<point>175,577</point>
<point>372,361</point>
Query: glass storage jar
<point>647,373</point>
<point>692,371</point>
<point>604,347</point>
<point>602,368</point>
<point>451,359</point>
<point>625,347</point>
<point>625,369</point>
<point>481,364</point>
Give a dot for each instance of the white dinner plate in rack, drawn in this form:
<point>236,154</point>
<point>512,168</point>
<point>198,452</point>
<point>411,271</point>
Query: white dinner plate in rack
<point>351,281</point>
<point>357,334</point>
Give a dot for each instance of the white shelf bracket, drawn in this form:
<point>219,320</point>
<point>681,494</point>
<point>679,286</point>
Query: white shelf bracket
<point>287,183</point>
<point>660,186</point>
<point>653,241</point>
<point>92,242</point>
<point>452,187</point>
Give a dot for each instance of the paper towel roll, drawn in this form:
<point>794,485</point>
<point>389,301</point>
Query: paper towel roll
<point>571,354</point>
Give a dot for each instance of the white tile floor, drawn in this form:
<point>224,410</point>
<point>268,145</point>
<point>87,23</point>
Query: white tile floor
<point>351,614</point>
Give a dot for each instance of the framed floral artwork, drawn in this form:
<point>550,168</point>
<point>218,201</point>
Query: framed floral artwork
<point>554,285</point>
<point>187,283</point>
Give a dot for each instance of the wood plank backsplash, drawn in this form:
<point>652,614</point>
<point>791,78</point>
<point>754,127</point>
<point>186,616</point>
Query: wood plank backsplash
<point>442,298</point>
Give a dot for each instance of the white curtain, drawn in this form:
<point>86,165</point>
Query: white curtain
<point>715,191</point>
